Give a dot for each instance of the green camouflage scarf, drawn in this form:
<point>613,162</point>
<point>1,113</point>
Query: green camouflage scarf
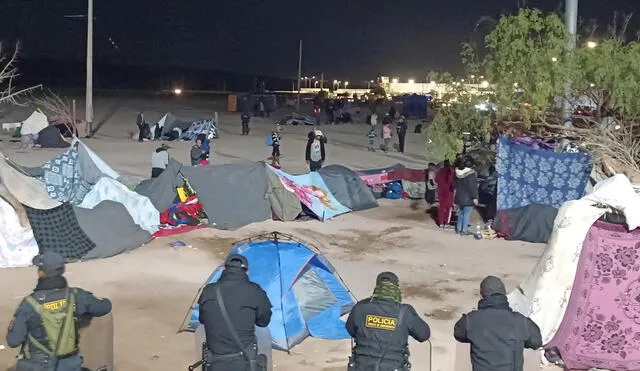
<point>387,290</point>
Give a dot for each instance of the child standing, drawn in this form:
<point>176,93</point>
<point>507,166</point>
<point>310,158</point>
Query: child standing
<point>386,135</point>
<point>372,138</point>
<point>275,146</point>
<point>245,123</point>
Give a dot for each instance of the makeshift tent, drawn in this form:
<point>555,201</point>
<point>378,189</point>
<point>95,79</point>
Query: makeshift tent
<point>169,121</point>
<point>206,127</point>
<point>17,244</point>
<point>531,223</point>
<point>57,230</point>
<point>543,294</point>
<point>347,187</point>
<point>161,191</point>
<point>284,204</point>
<point>139,207</point>
<point>50,137</point>
<point>312,191</point>
<point>415,106</point>
<point>601,327</point>
<point>527,175</point>
<point>29,191</point>
<point>232,195</point>
<point>307,295</point>
<point>35,123</point>
<point>111,229</point>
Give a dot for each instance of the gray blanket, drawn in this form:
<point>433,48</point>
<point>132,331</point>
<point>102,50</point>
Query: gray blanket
<point>162,190</point>
<point>111,229</point>
<point>232,195</point>
<point>347,187</point>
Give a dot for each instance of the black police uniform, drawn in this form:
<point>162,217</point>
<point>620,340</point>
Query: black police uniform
<point>247,306</point>
<point>27,321</point>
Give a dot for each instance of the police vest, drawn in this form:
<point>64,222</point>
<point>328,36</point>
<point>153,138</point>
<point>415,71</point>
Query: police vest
<point>390,350</point>
<point>59,325</point>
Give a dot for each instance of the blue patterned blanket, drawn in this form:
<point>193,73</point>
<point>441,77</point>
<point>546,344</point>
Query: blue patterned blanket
<point>529,176</point>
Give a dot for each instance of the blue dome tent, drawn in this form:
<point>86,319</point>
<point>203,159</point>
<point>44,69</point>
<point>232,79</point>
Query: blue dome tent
<point>307,295</point>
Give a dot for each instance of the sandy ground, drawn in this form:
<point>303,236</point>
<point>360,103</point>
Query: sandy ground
<point>153,287</point>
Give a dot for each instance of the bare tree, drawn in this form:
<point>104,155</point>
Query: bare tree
<point>8,72</point>
<point>57,108</point>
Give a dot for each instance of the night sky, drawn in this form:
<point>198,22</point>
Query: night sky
<point>346,39</point>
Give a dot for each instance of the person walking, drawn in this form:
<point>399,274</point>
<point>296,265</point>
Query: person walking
<point>386,135</point>
<point>497,334</point>
<point>466,196</point>
<point>45,324</point>
<point>245,119</point>
<point>229,310</point>
<point>445,181</point>
<point>401,129</point>
<point>381,326</point>
<point>315,151</point>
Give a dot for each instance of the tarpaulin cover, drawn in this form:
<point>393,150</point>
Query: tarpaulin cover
<point>232,195</point>
<point>139,207</point>
<point>306,293</point>
<point>161,191</point>
<point>284,204</point>
<point>205,127</point>
<point>34,123</point>
<point>601,326</point>
<point>111,229</point>
<point>50,137</point>
<point>313,193</point>
<point>531,223</point>
<point>380,170</point>
<point>29,191</point>
<point>17,244</point>
<point>347,187</point>
<point>58,230</point>
<point>527,175</point>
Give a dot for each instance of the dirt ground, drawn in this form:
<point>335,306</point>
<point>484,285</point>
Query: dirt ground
<point>153,286</point>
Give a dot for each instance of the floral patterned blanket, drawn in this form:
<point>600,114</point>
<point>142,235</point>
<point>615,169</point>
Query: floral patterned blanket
<point>601,325</point>
<point>531,176</point>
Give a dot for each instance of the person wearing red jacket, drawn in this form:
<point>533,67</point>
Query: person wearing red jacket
<point>445,179</point>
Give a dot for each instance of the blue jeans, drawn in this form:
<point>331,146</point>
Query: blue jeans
<point>464,217</point>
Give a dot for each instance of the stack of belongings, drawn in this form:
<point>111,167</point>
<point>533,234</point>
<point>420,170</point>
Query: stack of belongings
<point>296,120</point>
<point>169,128</point>
<point>36,131</point>
<point>206,127</point>
<point>583,293</point>
<point>533,182</point>
<point>76,207</point>
<point>395,182</point>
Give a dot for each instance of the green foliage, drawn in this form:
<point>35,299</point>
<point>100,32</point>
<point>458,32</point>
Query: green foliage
<point>378,91</point>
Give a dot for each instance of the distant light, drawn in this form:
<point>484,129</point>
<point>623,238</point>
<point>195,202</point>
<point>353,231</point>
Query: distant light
<point>461,80</point>
<point>485,84</point>
<point>313,77</point>
<point>346,83</point>
<point>371,81</point>
<point>482,77</point>
<point>554,59</point>
<point>515,84</point>
<point>592,85</point>
<point>592,44</point>
<point>335,81</point>
<point>473,76</point>
<point>412,81</point>
<point>395,81</point>
<point>177,91</point>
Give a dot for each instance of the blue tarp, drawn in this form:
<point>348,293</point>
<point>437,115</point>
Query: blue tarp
<point>307,296</point>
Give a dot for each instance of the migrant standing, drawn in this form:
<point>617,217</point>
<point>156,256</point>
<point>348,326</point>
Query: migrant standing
<point>159,160</point>
<point>262,108</point>
<point>401,129</point>
<point>466,194</point>
<point>497,334</point>
<point>144,132</point>
<point>246,306</point>
<point>386,135</point>
<point>275,146</point>
<point>392,111</point>
<point>46,322</point>
<point>245,119</point>
<point>383,322</point>
<point>371,137</point>
<point>430,180</point>
<point>488,191</point>
<point>445,182</point>
<point>315,151</point>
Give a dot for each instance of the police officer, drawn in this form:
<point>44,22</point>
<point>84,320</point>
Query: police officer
<point>45,323</point>
<point>247,306</point>
<point>381,326</point>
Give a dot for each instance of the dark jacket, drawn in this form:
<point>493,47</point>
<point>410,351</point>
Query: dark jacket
<point>196,155</point>
<point>466,187</point>
<point>26,321</point>
<point>308,150</point>
<point>247,306</point>
<point>389,347</point>
<point>401,127</point>
<point>497,335</point>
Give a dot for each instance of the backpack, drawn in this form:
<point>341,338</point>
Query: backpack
<point>59,325</point>
<point>268,141</point>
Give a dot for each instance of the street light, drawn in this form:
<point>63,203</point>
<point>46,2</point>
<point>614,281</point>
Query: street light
<point>346,84</point>
<point>485,84</point>
<point>412,81</point>
<point>591,44</point>
<point>554,59</point>
<point>395,81</point>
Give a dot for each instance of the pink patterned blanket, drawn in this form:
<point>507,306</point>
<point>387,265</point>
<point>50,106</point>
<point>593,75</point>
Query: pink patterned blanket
<point>601,327</point>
